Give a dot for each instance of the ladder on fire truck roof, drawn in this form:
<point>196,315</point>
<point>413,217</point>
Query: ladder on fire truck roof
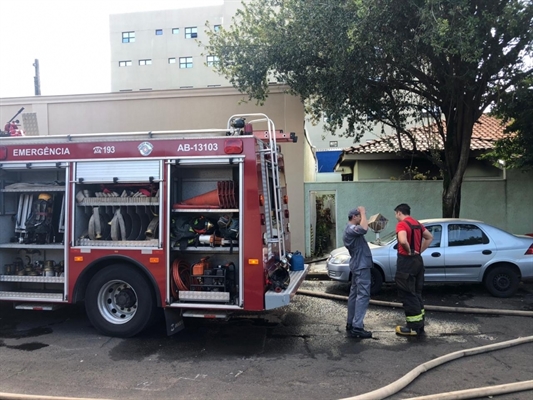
<point>274,218</point>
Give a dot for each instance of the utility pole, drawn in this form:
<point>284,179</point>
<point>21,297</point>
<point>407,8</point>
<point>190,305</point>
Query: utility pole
<point>37,79</point>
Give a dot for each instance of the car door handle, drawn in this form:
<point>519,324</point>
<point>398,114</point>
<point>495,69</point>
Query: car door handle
<point>487,252</point>
<point>435,254</point>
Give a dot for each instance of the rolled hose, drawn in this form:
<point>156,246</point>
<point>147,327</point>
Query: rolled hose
<point>398,385</point>
<point>181,274</point>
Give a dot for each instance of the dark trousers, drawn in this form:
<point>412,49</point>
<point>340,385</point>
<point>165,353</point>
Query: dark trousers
<point>410,281</point>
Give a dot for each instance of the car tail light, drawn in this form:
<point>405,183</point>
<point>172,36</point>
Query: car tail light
<point>529,251</point>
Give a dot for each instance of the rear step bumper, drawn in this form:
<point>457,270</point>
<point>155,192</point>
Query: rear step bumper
<point>275,300</point>
<point>37,306</point>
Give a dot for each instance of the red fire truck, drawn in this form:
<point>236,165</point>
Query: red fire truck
<point>193,222</point>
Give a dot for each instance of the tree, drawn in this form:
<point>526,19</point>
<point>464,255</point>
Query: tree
<point>387,61</point>
<point>516,108</point>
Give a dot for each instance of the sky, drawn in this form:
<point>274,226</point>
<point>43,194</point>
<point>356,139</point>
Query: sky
<point>70,38</point>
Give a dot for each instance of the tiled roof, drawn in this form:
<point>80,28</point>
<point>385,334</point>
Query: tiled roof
<point>486,131</point>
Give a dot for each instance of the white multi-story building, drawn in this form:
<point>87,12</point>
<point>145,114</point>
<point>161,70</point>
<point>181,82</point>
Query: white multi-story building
<point>158,50</point>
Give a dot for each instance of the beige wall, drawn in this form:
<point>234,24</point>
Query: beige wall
<point>174,110</point>
<point>393,169</point>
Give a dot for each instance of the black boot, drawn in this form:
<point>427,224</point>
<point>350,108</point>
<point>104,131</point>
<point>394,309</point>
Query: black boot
<point>359,333</point>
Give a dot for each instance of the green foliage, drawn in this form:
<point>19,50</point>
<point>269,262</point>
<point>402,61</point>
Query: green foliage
<point>516,108</point>
<point>386,61</point>
<point>413,174</point>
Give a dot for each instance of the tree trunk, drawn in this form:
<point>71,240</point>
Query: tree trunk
<point>459,125</point>
<point>451,201</point>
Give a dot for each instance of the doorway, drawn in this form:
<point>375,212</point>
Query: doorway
<point>323,222</point>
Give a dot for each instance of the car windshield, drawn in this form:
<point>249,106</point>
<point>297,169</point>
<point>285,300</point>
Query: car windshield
<point>385,240</point>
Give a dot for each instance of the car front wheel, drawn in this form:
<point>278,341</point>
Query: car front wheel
<point>502,281</point>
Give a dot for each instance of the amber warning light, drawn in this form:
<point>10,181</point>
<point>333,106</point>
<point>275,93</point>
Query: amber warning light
<point>233,146</point>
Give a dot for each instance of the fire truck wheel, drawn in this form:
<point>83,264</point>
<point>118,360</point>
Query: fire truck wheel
<point>119,301</point>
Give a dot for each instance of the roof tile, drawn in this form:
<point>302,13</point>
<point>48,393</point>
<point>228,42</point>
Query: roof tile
<point>486,131</point>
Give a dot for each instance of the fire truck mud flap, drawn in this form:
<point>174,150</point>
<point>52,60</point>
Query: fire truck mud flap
<point>274,299</point>
<point>174,321</point>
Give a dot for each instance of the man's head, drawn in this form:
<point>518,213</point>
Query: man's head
<point>354,215</point>
<point>401,211</point>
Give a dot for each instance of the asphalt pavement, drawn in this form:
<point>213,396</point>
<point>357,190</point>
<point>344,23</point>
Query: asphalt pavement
<point>295,352</point>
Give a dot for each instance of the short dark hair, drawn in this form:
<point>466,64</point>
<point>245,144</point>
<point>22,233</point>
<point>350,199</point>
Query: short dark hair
<point>403,208</point>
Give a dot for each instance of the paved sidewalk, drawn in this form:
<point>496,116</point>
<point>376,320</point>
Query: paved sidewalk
<point>317,268</point>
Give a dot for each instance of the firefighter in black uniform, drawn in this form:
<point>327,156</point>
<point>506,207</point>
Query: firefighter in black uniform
<point>413,239</point>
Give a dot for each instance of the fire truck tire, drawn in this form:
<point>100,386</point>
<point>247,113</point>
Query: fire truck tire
<point>119,301</point>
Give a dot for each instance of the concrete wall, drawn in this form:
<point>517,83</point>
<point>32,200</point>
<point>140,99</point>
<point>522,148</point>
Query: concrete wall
<point>175,110</point>
<point>505,203</point>
<point>161,75</point>
<point>394,168</point>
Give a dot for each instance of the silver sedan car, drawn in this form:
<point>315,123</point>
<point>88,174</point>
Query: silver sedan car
<point>462,251</point>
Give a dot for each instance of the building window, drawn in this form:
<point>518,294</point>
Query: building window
<point>172,60</point>
<point>128,37</point>
<point>216,28</point>
<point>175,31</point>
<point>212,61</point>
<point>145,62</point>
<point>191,33</point>
<point>347,177</point>
<point>159,32</point>
<point>185,62</point>
<point>124,63</point>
